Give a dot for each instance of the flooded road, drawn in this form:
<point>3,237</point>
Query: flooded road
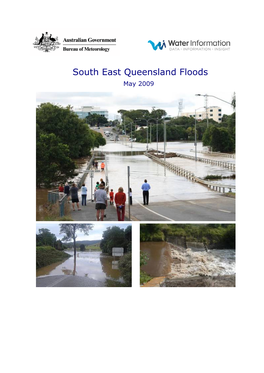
<point>120,155</point>
<point>165,187</point>
<point>178,262</point>
<point>94,265</point>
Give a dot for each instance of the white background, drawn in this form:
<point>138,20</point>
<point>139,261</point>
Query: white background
<point>128,330</point>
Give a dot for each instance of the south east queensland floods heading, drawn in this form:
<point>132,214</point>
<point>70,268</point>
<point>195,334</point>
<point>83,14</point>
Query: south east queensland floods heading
<point>129,72</point>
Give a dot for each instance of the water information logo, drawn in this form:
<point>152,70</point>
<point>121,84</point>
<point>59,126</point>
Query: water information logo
<point>155,47</point>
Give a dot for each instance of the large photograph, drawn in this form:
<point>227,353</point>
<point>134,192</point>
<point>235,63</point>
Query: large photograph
<point>105,157</point>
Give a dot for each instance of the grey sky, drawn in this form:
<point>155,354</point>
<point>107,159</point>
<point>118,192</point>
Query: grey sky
<point>114,102</point>
<point>95,233</point>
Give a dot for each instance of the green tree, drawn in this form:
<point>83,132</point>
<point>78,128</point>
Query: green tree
<point>96,119</point>
<point>53,163</point>
<point>82,247</point>
<point>67,127</point>
<point>46,238</point>
<point>70,232</point>
<point>125,266</point>
<point>114,237</point>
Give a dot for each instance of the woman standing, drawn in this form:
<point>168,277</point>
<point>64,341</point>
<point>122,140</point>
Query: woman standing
<point>120,200</point>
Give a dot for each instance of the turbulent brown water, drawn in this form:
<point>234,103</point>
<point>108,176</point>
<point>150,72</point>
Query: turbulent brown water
<point>174,261</point>
<point>189,262</point>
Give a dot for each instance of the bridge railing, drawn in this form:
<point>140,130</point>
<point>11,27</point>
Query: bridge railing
<point>190,175</point>
<point>225,164</point>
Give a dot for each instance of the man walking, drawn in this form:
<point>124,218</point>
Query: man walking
<point>145,187</point>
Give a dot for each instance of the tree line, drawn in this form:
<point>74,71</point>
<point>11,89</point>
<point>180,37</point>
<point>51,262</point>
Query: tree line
<point>219,136</point>
<point>116,237</point>
<point>220,235</point>
<point>61,137</point>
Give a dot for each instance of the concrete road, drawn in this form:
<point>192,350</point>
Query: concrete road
<point>220,208</point>
<point>67,281</point>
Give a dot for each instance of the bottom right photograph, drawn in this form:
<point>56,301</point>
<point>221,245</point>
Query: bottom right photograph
<point>187,255</point>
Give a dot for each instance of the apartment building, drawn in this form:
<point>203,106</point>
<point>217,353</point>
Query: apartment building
<point>214,112</point>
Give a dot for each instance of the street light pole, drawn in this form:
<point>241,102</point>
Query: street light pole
<point>164,147</point>
<point>157,135</point>
<point>195,133</point>
<point>206,100</point>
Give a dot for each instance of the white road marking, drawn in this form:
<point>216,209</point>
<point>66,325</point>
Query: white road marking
<point>165,217</point>
<point>229,212</point>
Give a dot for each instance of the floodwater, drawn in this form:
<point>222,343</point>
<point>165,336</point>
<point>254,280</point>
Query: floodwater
<point>189,262</point>
<point>165,185</point>
<point>42,193</point>
<point>92,264</point>
<point>174,261</point>
<point>159,254</point>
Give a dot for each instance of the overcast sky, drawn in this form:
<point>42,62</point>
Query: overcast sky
<point>95,233</point>
<point>114,102</point>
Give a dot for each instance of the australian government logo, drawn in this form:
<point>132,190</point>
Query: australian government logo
<point>191,45</point>
<point>46,43</point>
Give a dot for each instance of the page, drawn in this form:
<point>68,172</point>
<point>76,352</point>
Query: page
<point>130,146</point>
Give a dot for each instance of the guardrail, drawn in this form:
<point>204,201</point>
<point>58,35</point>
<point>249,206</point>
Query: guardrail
<point>230,166</point>
<point>190,175</point>
<point>58,197</point>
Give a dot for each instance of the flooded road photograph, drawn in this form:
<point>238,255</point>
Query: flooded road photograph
<point>65,257</point>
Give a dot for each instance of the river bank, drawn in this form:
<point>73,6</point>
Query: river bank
<point>46,255</point>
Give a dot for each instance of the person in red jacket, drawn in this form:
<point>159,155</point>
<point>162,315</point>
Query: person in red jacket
<point>120,200</point>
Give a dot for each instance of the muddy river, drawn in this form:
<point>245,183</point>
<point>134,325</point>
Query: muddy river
<point>170,260</point>
<point>94,265</point>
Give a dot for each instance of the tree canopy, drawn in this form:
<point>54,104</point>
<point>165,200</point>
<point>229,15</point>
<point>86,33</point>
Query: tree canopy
<point>70,232</point>
<point>61,137</point>
<point>116,237</point>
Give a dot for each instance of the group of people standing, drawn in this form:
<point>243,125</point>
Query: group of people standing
<point>100,198</point>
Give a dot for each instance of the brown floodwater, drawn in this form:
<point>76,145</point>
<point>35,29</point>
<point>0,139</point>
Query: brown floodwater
<point>176,261</point>
<point>159,254</point>
<point>92,264</point>
<point>42,193</point>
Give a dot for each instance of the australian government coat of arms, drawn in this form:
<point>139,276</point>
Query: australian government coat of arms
<point>46,43</point>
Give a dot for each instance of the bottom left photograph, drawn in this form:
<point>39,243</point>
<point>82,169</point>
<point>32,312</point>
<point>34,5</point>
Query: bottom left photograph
<point>83,255</point>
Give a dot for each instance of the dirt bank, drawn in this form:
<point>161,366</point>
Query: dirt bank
<point>198,281</point>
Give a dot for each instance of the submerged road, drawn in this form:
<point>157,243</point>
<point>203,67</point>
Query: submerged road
<point>172,197</point>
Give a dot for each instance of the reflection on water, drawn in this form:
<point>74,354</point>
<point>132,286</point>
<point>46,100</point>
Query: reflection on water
<point>176,261</point>
<point>159,254</point>
<point>94,265</point>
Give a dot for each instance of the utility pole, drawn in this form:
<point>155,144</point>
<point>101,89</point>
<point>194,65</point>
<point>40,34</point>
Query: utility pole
<point>128,182</point>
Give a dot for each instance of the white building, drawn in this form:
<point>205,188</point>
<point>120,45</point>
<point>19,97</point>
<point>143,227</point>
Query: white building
<point>84,111</point>
<point>214,112</point>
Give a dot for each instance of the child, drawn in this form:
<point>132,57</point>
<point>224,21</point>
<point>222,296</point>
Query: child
<point>111,194</point>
